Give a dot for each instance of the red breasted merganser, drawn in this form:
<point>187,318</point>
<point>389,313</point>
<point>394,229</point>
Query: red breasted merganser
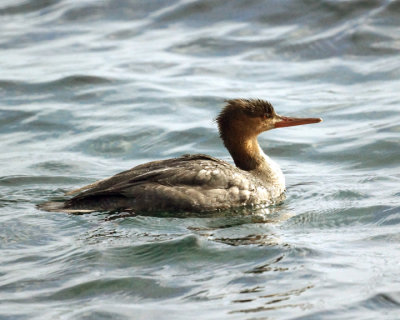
<point>197,183</point>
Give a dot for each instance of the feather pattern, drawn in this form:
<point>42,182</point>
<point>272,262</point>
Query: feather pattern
<point>188,183</point>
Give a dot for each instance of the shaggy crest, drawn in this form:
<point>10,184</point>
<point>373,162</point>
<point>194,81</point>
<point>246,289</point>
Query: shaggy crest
<point>250,107</point>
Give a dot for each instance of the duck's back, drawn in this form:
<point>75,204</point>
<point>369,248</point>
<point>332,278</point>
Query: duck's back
<point>192,183</point>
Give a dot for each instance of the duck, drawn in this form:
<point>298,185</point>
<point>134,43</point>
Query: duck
<point>197,183</point>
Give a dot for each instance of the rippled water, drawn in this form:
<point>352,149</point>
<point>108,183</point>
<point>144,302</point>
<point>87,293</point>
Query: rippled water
<point>90,88</point>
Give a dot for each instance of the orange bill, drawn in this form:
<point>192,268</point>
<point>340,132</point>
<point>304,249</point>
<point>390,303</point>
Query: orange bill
<point>290,122</point>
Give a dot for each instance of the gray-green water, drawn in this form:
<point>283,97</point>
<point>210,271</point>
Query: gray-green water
<point>90,88</point>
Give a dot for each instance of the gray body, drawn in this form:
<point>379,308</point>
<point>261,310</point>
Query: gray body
<point>192,183</point>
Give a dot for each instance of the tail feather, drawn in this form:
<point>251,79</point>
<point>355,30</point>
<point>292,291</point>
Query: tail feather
<point>53,206</point>
<point>75,191</point>
<point>84,188</point>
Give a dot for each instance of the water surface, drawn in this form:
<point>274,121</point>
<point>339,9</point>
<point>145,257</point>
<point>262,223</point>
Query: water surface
<point>91,88</point>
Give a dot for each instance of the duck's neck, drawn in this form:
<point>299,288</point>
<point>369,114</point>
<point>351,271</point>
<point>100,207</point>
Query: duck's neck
<point>246,152</point>
<point>248,156</point>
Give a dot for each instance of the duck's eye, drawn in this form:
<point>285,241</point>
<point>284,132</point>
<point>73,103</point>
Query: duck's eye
<point>265,116</point>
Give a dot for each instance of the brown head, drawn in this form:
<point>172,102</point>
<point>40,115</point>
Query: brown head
<point>253,116</point>
<point>242,120</point>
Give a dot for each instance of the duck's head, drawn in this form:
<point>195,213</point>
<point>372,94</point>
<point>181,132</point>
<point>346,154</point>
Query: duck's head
<point>250,117</point>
